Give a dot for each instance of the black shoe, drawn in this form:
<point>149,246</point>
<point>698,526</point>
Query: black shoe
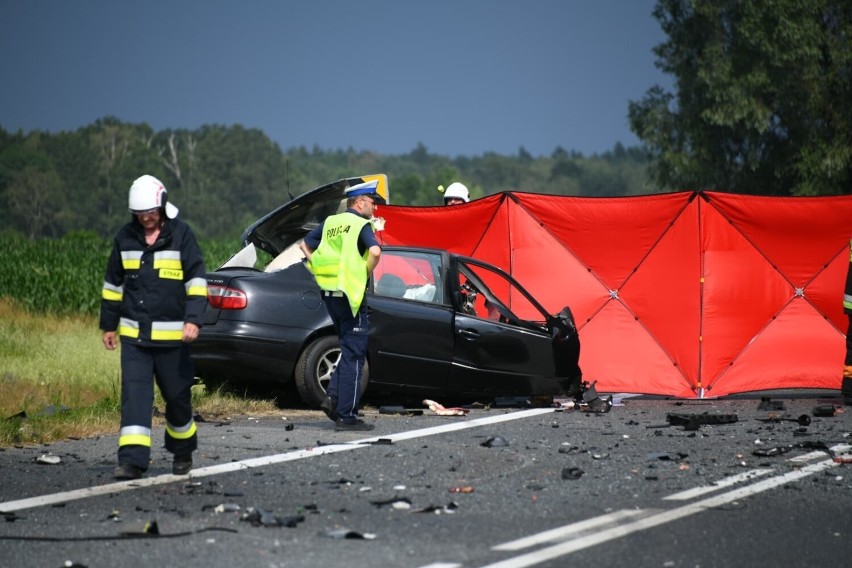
<point>329,406</point>
<point>127,471</point>
<point>182,464</point>
<point>357,426</point>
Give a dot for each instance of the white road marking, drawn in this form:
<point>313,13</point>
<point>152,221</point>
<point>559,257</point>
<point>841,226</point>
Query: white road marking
<point>561,533</point>
<point>808,457</point>
<point>564,548</point>
<point>121,486</point>
<point>716,485</point>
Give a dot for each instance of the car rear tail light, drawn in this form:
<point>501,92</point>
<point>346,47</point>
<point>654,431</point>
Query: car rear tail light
<point>226,298</point>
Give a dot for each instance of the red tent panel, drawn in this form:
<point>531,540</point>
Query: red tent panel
<point>452,228</point>
<point>742,293</point>
<point>664,293</point>
<point>798,235</point>
<point>797,349</point>
<point>611,235</point>
<point>623,357</point>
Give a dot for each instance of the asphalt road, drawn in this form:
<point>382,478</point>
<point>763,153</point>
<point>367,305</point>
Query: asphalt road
<point>504,488</point>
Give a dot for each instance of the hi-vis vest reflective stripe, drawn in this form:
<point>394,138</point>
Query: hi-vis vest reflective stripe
<point>336,263</point>
<point>134,436</point>
<point>182,432</point>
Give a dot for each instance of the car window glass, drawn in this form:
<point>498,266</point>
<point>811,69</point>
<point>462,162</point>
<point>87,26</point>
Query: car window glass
<point>488,294</point>
<point>409,276</point>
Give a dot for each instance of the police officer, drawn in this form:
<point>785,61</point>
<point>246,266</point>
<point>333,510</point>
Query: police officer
<point>341,253</point>
<point>153,297</point>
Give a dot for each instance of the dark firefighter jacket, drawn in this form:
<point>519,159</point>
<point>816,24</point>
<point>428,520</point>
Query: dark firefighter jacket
<point>150,291</point>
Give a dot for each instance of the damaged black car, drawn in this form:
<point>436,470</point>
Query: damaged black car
<point>442,326</point>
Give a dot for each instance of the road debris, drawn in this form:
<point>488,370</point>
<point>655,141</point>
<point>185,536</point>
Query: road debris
<point>495,442</point>
<point>826,410</point>
<point>440,410</point>
<point>801,420</point>
<point>401,410</point>
<point>394,502</point>
<point>347,534</point>
<point>260,517</point>
<point>449,509</point>
<point>49,459</point>
<point>694,421</point>
<point>572,473</point>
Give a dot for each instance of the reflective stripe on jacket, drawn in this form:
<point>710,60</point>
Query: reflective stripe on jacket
<point>336,263</point>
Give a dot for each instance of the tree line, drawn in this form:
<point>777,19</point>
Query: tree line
<point>224,177</point>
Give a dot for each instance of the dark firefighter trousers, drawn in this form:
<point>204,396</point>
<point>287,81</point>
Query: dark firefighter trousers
<point>172,368</point>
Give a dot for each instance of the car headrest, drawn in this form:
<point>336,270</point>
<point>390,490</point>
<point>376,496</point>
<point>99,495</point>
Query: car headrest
<point>390,285</point>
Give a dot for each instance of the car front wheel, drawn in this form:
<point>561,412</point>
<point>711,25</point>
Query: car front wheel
<point>314,369</point>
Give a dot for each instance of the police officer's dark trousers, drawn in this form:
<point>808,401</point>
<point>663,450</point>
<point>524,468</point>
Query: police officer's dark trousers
<point>173,370</point>
<point>346,380</point>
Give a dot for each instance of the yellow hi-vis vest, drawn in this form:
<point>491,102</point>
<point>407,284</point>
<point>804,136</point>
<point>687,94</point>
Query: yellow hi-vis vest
<point>336,263</point>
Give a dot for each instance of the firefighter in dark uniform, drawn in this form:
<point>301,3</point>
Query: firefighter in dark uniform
<point>846,388</point>
<point>154,295</point>
<point>342,253</point>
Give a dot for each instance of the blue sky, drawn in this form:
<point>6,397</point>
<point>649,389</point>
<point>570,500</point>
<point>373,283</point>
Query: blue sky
<point>462,77</point>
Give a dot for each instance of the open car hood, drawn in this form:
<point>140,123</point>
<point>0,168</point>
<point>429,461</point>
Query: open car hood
<point>289,223</point>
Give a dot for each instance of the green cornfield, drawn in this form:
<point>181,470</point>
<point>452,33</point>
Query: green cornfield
<point>65,276</point>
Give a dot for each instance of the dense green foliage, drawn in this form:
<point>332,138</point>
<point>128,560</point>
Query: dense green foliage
<point>762,101</point>
<point>223,178</point>
<point>65,276</point>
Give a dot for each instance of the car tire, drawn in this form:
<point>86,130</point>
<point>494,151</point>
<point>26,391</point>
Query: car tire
<point>315,366</point>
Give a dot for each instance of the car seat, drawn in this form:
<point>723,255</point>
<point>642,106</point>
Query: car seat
<point>390,285</point>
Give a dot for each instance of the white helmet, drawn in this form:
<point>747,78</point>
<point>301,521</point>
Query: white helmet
<point>457,191</point>
<point>147,193</point>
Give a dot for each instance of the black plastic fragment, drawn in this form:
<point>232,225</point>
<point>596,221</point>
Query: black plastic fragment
<point>694,421</point>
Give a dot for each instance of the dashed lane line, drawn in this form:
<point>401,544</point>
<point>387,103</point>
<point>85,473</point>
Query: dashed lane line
<point>722,483</point>
<point>573,530</point>
<point>655,519</point>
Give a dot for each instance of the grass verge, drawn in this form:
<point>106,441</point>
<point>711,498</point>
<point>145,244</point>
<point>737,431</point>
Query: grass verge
<point>57,381</point>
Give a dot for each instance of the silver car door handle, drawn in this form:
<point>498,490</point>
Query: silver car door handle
<point>469,333</point>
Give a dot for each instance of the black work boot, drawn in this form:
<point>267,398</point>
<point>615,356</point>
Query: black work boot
<point>127,471</point>
<point>329,406</point>
<point>181,465</point>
